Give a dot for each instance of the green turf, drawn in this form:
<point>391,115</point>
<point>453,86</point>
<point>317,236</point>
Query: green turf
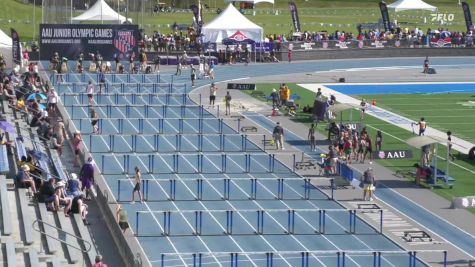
<point>315,15</point>
<point>393,137</point>
<point>441,111</point>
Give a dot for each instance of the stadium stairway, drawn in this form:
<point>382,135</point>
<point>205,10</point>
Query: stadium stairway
<point>21,216</point>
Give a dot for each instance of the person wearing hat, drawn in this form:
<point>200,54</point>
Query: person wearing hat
<point>87,176</point>
<point>278,135</point>
<point>24,178</point>
<point>62,197</point>
<point>73,186</point>
<point>368,181</point>
<point>213,89</point>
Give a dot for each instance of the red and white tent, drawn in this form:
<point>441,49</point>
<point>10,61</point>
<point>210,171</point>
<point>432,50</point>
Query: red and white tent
<point>231,22</point>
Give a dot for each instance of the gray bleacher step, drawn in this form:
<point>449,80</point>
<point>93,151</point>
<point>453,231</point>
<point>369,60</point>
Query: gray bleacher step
<point>48,218</point>
<point>66,225</point>
<point>33,258</point>
<point>84,234</point>
<point>11,254</point>
<point>7,224</point>
<point>26,218</point>
<point>55,263</point>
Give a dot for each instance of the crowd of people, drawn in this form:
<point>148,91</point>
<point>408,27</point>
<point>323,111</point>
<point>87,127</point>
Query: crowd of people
<point>29,95</point>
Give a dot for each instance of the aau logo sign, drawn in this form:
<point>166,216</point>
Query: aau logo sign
<point>393,154</point>
<point>124,41</point>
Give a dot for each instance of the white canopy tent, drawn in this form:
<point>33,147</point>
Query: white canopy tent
<point>228,23</point>
<point>251,1</point>
<point>100,11</point>
<point>403,5</point>
<point>6,44</point>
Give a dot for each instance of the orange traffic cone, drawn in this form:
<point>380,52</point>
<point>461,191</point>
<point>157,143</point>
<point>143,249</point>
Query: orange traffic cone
<point>373,102</point>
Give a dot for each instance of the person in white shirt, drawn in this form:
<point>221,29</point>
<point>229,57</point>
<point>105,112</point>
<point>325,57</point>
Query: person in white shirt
<point>212,94</point>
<point>90,92</point>
<point>52,100</point>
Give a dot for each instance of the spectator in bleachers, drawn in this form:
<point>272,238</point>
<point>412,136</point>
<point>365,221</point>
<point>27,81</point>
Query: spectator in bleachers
<point>48,195</point>
<point>43,129</point>
<point>87,176</point>
<point>77,140</point>
<point>9,91</point>
<point>55,144</point>
<point>99,262</point>
<point>59,130</point>
<point>62,197</point>
<point>24,178</point>
<point>122,220</point>
<point>79,207</point>
<point>52,100</point>
<point>34,170</point>
<point>73,186</point>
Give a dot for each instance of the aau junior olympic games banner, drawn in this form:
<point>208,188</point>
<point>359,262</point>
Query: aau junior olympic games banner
<point>69,40</point>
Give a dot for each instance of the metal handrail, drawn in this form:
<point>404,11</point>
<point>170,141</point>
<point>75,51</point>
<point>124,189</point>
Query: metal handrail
<point>37,221</point>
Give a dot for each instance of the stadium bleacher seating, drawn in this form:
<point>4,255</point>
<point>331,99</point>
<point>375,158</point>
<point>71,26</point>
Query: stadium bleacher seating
<point>11,255</point>
<point>46,217</point>
<point>4,165</point>
<point>65,224</point>
<point>7,225</point>
<point>28,231</point>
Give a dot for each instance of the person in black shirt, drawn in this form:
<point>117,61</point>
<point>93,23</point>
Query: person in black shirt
<point>79,207</point>
<point>48,195</point>
<point>278,135</point>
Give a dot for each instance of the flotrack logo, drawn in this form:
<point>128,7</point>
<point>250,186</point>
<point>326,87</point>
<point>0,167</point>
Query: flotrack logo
<point>442,17</point>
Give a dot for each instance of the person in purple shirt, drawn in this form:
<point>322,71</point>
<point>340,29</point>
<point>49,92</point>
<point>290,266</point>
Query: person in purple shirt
<point>87,176</point>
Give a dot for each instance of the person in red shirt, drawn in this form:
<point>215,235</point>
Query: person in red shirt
<point>99,262</point>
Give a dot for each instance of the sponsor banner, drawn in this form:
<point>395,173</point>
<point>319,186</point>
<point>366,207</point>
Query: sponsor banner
<point>467,15</point>
<point>463,202</point>
<point>393,154</point>
<point>197,17</point>
<point>295,16</point>
<point>385,16</point>
<point>263,47</point>
<point>242,86</point>
<point>441,42</point>
<point>69,40</point>
<point>16,49</point>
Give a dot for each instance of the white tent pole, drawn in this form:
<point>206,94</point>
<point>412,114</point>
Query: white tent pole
<point>102,21</point>
<point>118,11</point>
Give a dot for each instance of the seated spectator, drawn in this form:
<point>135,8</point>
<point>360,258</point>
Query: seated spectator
<point>34,171</point>
<point>48,195</point>
<point>79,207</point>
<point>43,129</point>
<point>62,197</point>
<point>73,186</point>
<point>24,179</point>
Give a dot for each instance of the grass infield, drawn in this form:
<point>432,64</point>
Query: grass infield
<point>442,112</point>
